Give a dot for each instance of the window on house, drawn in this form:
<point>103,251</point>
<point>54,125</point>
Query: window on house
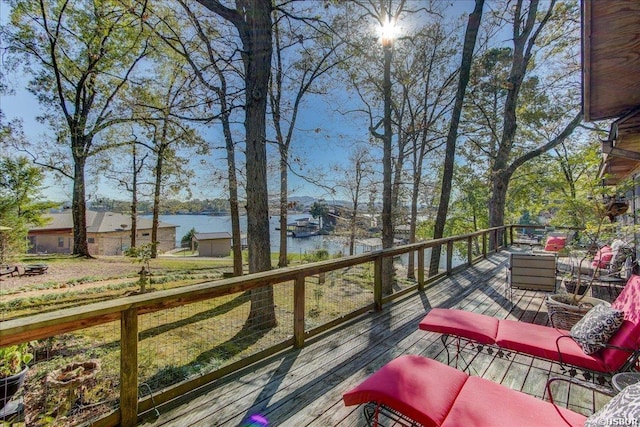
<point>91,240</point>
<point>61,242</point>
<point>145,234</point>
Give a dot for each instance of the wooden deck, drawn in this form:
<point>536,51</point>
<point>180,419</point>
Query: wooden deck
<point>304,387</point>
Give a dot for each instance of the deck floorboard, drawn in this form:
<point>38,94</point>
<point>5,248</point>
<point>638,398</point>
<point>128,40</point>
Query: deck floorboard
<point>304,387</point>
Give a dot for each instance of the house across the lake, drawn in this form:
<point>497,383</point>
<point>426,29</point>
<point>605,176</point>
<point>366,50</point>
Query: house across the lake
<point>108,233</point>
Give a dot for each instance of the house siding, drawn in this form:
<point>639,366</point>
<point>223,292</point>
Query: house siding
<point>103,237</point>
<point>116,242</point>
<point>51,242</point>
<point>214,248</point>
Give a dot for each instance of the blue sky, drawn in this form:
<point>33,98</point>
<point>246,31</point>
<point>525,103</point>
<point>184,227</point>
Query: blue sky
<point>323,138</point>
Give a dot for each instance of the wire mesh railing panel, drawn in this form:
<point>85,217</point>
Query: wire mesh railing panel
<point>332,295</point>
<point>73,378</point>
<point>442,260</point>
<point>199,338</point>
<point>460,253</point>
<point>476,246</point>
<point>404,277</point>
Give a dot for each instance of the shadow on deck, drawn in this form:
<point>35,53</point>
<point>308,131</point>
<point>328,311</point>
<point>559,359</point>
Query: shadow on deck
<point>304,387</point>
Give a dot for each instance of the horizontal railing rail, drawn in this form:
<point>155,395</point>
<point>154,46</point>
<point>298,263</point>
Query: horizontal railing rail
<point>459,252</point>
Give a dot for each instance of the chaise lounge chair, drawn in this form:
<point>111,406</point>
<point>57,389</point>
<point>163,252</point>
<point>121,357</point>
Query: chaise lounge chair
<point>620,353</point>
<point>413,390</point>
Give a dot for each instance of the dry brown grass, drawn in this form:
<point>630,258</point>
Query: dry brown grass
<point>71,281</point>
<point>69,270</point>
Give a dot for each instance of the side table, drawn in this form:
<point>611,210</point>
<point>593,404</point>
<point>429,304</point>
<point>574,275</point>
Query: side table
<point>624,379</point>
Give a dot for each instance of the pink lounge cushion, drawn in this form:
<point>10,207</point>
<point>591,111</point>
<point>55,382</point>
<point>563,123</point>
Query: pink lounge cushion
<point>628,336</point>
<point>422,389</point>
<point>555,243</point>
<point>540,341</point>
<point>603,257</point>
<point>485,403</point>
<point>629,299</point>
<point>474,326</point>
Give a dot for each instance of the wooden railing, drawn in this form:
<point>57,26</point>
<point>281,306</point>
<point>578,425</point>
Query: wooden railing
<point>127,310</point>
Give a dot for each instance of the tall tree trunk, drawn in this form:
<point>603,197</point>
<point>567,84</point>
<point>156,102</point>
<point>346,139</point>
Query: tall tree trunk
<point>283,146</point>
<point>236,236</point>
<point>397,177</point>
<point>257,45</point>
<point>354,213</point>
<point>387,200</point>
<point>471,34</point>
<point>282,258</point>
<point>352,232</point>
<point>156,202</point>
<point>502,176</point>
<point>497,203</point>
<point>134,198</point>
<point>523,39</point>
<point>413,217</point>
<point>79,204</point>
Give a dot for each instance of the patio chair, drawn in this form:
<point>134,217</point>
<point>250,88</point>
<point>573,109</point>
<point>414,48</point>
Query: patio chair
<point>556,242</point>
<point>618,354</point>
<point>414,390</point>
<point>531,271</point>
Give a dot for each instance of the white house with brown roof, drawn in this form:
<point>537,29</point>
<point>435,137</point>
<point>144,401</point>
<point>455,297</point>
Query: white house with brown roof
<point>108,233</point>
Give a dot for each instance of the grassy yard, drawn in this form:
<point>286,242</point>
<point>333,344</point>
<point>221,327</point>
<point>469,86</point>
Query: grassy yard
<point>174,344</point>
<point>71,281</point>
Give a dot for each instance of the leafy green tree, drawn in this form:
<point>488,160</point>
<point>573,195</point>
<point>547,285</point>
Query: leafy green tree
<point>468,210</point>
<point>572,182</point>
<point>187,239</point>
<point>536,110</point>
<point>80,57</point>
<point>319,210</point>
<point>20,208</point>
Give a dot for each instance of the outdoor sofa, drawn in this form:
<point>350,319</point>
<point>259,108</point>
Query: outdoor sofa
<point>619,353</point>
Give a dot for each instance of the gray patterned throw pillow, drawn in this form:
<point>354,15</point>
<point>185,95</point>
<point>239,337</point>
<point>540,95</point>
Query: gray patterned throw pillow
<point>622,410</point>
<point>595,329</point>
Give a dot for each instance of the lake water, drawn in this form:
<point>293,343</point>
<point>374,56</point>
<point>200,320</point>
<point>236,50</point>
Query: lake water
<point>214,224</point>
<point>299,246</point>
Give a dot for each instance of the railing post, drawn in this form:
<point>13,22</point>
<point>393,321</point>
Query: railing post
<point>377,283</point>
<point>469,250</point>
<point>129,368</point>
<point>449,256</point>
<point>421,269</point>
<point>298,311</point>
<point>484,244</point>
